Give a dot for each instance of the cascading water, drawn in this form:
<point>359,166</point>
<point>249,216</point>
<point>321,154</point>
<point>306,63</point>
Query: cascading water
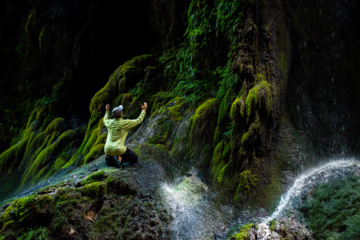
<point>290,201</point>
<point>197,213</point>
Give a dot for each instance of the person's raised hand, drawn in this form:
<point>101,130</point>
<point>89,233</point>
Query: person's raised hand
<point>144,106</point>
<point>107,107</point>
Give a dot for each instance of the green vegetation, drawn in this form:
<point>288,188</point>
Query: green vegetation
<point>220,164</point>
<point>197,131</point>
<point>333,210</point>
<point>201,114</point>
<point>40,233</point>
<point>27,213</point>
<point>94,190</point>
<point>272,225</point>
<point>94,177</point>
<point>247,181</point>
<point>261,93</point>
<point>203,75</point>
<point>207,26</point>
<point>243,233</point>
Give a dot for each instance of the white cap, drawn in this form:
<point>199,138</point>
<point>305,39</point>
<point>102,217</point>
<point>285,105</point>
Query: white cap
<point>119,108</point>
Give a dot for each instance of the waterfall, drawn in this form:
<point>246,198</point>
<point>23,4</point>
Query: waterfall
<point>197,212</point>
<point>291,200</point>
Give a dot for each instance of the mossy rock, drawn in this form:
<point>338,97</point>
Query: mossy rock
<point>27,212</point>
<point>95,177</point>
<point>247,184</point>
<point>94,190</point>
<point>175,111</point>
<point>118,185</point>
<point>260,96</point>
<point>202,125</point>
<point>243,233</point>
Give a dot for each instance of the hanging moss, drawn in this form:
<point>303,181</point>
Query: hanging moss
<point>237,109</point>
<point>217,157</point>
<point>201,113</point>
<point>48,156</point>
<point>220,164</point>
<point>247,181</point>
<point>261,93</point>
<point>253,128</point>
<point>198,131</point>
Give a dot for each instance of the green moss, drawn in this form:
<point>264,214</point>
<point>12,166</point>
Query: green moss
<point>224,106</point>
<point>32,118</point>
<point>261,93</point>
<point>22,212</point>
<point>247,181</point>
<point>47,156</point>
<point>7,158</point>
<point>333,210</point>
<point>41,35</point>
<point>223,174</point>
<point>272,225</point>
<point>243,233</point>
<point>92,145</point>
<point>41,233</point>
<point>205,108</point>
<point>237,109</point>
<point>197,126</point>
<point>94,177</point>
<point>220,163</point>
<point>201,113</point>
<point>94,190</point>
<point>95,152</point>
<point>159,100</point>
<point>56,125</point>
<point>217,157</point>
<point>30,18</point>
<point>175,111</point>
<point>254,126</point>
<point>259,78</point>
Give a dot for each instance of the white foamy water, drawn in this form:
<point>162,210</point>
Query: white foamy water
<point>196,212</point>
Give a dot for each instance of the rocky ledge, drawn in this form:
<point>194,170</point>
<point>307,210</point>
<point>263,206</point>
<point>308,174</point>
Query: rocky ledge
<point>92,202</point>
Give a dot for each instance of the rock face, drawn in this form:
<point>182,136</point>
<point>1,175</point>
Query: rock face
<point>322,87</point>
<point>94,202</point>
<point>248,92</point>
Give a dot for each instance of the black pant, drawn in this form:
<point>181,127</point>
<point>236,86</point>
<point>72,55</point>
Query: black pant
<point>129,156</point>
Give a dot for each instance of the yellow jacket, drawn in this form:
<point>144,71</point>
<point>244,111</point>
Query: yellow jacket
<point>118,130</point>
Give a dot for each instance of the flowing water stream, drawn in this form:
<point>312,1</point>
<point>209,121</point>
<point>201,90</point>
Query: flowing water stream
<point>196,210</point>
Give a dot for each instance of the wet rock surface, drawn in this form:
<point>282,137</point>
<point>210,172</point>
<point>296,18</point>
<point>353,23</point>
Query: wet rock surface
<point>95,202</point>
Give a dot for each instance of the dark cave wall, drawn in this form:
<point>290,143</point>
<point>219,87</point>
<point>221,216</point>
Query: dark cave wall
<point>324,80</point>
<point>62,52</point>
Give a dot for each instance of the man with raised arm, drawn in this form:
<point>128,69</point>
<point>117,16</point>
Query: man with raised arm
<point>118,129</point>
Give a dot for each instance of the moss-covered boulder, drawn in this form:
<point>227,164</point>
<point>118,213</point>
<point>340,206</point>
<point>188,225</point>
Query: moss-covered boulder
<point>202,125</point>
<point>104,204</point>
<point>26,213</point>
